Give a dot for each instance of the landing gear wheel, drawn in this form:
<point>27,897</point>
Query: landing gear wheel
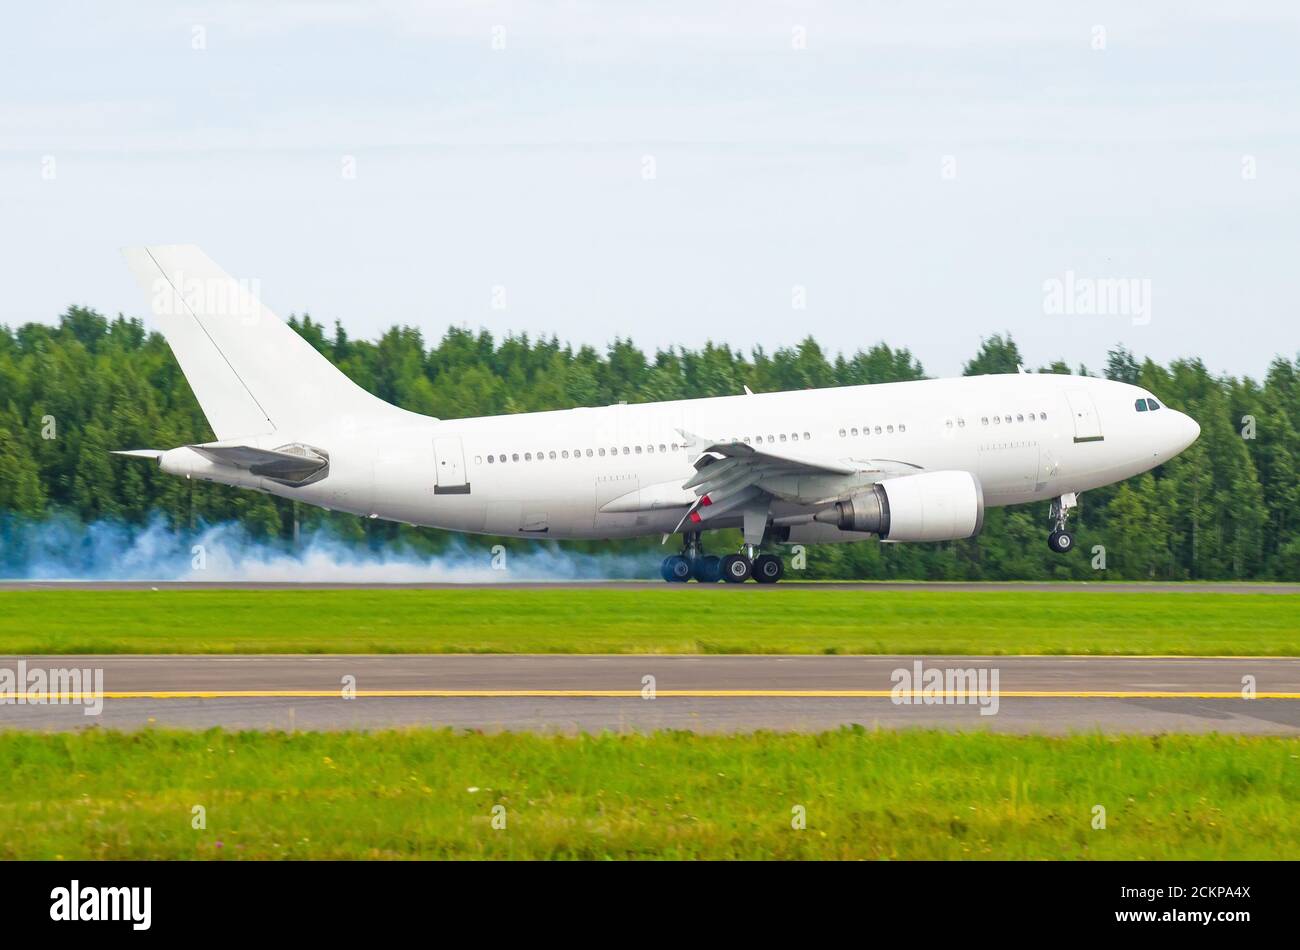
<point>768,568</point>
<point>1062,542</point>
<point>676,569</point>
<point>708,570</point>
<point>735,569</point>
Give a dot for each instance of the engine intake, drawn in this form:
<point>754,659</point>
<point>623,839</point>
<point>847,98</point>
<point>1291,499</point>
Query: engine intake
<point>930,506</point>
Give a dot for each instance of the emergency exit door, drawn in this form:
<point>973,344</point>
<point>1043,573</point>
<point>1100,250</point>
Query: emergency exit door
<point>449,463</point>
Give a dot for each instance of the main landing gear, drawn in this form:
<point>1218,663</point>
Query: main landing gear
<point>768,568</point>
<point>1060,540</point>
<point>693,563</point>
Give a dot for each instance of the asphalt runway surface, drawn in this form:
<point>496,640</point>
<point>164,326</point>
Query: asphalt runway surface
<point>583,693</point>
<point>1048,587</point>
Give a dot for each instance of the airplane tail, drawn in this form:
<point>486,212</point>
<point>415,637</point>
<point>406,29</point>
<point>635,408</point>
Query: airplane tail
<point>251,373</point>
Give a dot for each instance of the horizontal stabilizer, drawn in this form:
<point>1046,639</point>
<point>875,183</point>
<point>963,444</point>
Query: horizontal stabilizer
<point>139,453</point>
<point>293,464</point>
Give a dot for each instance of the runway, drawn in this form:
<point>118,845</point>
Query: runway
<point>559,693</point>
<point>1046,587</point>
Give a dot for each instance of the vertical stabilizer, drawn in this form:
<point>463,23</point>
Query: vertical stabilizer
<point>251,373</point>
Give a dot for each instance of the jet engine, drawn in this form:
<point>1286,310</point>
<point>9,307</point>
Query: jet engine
<point>930,506</point>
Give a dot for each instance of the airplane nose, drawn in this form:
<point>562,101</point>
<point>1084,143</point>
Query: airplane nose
<point>1189,430</point>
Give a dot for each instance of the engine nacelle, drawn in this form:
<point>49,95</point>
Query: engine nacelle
<point>929,506</point>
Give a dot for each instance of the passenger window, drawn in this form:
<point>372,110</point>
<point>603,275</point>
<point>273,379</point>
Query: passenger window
<point>984,420</point>
<point>664,448</point>
<point>528,456</point>
<point>806,437</point>
<point>889,429</point>
<point>515,457</point>
<point>853,431</point>
<point>902,428</point>
<point>489,460</point>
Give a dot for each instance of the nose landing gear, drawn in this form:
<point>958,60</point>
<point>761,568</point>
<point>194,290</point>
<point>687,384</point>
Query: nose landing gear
<point>1060,540</point>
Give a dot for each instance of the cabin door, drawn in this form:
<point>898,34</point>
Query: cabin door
<point>1087,424</point>
<point>449,465</point>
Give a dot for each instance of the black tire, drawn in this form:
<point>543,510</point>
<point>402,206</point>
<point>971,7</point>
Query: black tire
<point>768,568</point>
<point>735,569</point>
<point>1061,542</point>
<point>676,569</point>
<point>707,570</point>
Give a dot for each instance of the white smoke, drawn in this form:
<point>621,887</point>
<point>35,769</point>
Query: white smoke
<point>65,549</point>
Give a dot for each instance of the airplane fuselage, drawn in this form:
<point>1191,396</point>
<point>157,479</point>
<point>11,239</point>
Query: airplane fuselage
<point>617,471</point>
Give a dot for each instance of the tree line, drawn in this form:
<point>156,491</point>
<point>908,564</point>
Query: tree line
<point>71,392</point>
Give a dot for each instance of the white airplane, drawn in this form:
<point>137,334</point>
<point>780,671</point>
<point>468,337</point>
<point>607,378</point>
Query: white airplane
<point>912,461</point>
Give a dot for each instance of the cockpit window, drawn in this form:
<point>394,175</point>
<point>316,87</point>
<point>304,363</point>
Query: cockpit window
<point>1140,405</point>
<point>1152,405</point>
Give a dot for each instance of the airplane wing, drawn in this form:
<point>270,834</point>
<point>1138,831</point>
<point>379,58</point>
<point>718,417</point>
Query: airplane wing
<point>730,475</point>
<point>741,453</point>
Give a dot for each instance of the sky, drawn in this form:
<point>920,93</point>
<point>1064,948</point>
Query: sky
<point>920,173</point>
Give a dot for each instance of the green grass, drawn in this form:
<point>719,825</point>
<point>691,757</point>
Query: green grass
<point>658,619</point>
<point>431,794</point>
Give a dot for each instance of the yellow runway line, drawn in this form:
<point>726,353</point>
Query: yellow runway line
<point>636,693</point>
